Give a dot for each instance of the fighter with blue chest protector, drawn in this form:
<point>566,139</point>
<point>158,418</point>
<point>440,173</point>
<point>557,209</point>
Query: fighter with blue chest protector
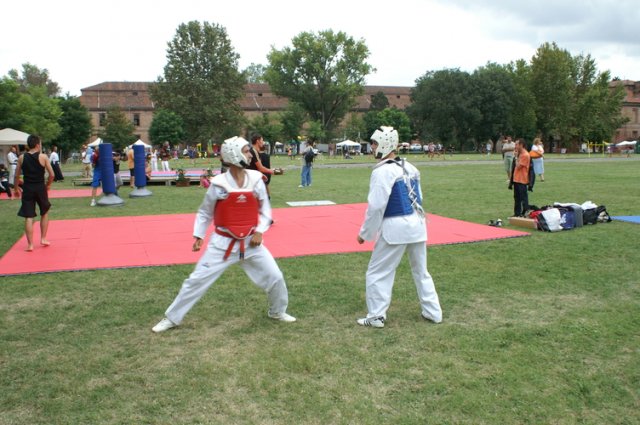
<point>396,221</point>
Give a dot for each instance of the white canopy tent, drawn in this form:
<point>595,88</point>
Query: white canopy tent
<point>95,142</point>
<point>626,143</point>
<point>348,144</point>
<point>9,136</point>
<point>140,142</point>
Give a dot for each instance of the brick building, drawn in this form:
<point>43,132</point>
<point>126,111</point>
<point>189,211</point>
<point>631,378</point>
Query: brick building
<point>134,100</point>
<point>630,109</point>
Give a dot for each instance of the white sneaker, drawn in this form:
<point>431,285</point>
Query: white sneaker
<point>93,202</point>
<point>374,322</point>
<point>283,317</point>
<point>429,319</point>
<point>163,325</point>
<point>300,185</point>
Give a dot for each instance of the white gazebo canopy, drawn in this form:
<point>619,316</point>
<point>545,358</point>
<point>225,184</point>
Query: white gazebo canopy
<point>348,144</point>
<point>9,136</point>
<point>139,142</point>
<point>95,142</point>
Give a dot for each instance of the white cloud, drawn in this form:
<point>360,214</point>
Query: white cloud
<point>86,43</point>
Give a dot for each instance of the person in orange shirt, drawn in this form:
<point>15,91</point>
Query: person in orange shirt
<point>131,164</point>
<point>520,179</point>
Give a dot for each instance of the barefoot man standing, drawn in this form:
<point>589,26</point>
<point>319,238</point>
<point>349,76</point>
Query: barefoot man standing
<point>32,164</point>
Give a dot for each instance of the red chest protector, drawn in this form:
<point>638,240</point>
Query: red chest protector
<point>236,217</point>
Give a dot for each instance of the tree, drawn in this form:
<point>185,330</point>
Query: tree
<point>389,117</point>
<point>442,107</point>
<point>553,90</point>
<point>493,94</point>
<point>270,130</point>
<point>355,128</point>
<point>201,82</point>
<point>166,126</point>
<point>29,108</point>
<point>118,130</point>
<point>43,113</point>
<point>34,76</point>
<point>323,73</point>
<point>379,102</point>
<point>75,125</point>
<point>255,73</point>
<point>315,131</point>
<point>292,119</point>
<point>13,109</point>
<point>523,114</point>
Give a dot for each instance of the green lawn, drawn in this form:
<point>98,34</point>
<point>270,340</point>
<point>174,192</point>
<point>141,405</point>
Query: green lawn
<point>537,330</point>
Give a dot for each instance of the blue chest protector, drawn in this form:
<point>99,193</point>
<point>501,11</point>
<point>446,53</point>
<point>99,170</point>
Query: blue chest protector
<point>404,198</point>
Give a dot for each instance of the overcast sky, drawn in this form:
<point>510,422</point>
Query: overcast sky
<point>87,43</point>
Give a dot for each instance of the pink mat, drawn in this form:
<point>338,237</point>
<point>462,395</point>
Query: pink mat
<point>63,193</point>
<point>160,240</point>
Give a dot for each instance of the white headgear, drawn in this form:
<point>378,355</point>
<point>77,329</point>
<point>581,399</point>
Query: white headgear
<point>232,151</point>
<point>387,139</point>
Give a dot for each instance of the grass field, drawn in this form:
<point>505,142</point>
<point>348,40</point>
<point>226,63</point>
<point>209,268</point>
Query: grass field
<point>537,330</point>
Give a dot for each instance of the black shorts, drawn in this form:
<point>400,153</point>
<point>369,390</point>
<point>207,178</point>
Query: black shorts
<point>30,198</point>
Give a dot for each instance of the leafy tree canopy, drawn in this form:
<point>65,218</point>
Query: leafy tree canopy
<point>379,102</point>
<point>442,107</point>
<point>75,125</point>
<point>255,73</point>
<point>33,76</point>
<point>323,73</point>
<point>390,117</point>
<point>202,83</point>
<point>166,126</point>
<point>118,130</point>
<point>270,130</point>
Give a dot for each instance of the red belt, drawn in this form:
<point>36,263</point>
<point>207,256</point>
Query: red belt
<point>233,242</point>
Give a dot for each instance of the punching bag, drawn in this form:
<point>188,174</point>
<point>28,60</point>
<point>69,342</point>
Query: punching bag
<point>105,162</point>
<point>139,162</point>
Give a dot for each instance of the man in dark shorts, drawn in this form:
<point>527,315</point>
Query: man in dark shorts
<point>33,164</point>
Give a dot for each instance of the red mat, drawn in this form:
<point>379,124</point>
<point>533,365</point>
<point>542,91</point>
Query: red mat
<point>64,193</point>
<point>160,240</point>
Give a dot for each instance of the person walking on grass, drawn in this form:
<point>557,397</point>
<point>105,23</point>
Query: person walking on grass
<point>308,157</point>
<point>396,221</point>
<point>33,164</point>
<point>238,204</point>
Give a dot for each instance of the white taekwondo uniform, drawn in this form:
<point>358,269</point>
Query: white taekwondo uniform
<point>258,263</point>
<point>394,233</point>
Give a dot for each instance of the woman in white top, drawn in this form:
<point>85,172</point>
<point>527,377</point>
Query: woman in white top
<point>537,157</point>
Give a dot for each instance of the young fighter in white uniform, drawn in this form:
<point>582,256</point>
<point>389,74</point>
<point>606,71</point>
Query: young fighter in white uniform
<point>238,204</point>
<point>396,221</point>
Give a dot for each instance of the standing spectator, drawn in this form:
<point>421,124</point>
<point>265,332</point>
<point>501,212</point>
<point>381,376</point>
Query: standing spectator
<point>396,221</point>
<point>4,181</point>
<point>165,156</point>
<point>131,164</point>
<point>308,157</point>
<point>508,146</point>
<point>116,170</point>
<point>33,164</point>
<point>537,157</point>
<point>489,147</point>
<point>12,158</point>
<point>256,163</point>
<point>87,154</point>
<point>154,159</point>
<point>97,175</point>
<point>236,223</point>
<point>520,179</point>
<point>55,164</point>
